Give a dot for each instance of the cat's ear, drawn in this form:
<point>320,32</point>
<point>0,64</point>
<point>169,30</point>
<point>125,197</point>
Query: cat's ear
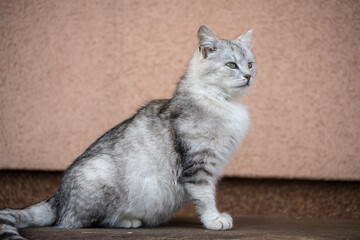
<point>206,41</point>
<point>245,39</point>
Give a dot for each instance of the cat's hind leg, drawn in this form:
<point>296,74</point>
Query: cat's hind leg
<point>76,218</point>
<point>69,221</point>
<point>129,223</point>
<point>121,220</point>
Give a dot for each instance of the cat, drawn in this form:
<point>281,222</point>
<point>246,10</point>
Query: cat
<point>170,152</point>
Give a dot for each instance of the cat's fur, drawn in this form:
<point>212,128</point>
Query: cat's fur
<point>144,169</point>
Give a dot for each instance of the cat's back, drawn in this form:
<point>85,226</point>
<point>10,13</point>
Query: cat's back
<point>150,119</point>
<point>133,143</point>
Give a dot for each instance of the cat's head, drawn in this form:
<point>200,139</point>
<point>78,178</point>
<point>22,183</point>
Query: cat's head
<point>224,67</point>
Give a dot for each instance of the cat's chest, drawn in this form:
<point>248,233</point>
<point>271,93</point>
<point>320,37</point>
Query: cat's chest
<point>226,129</point>
<point>232,126</point>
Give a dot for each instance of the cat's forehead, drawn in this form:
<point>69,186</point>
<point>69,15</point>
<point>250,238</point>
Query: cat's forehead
<point>234,49</point>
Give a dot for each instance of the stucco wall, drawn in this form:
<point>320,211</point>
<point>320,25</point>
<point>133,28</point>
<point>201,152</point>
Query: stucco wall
<point>69,70</point>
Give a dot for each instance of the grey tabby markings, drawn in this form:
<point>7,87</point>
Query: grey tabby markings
<point>173,150</point>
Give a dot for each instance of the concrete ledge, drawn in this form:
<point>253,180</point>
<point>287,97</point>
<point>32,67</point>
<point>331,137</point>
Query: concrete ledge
<point>190,228</point>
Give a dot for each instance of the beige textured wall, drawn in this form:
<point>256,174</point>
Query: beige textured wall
<point>69,70</point>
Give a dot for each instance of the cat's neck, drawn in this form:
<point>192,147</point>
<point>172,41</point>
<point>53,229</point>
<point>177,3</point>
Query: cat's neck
<point>209,99</point>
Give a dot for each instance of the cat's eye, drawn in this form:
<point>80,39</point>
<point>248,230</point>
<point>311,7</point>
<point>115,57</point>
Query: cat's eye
<point>250,65</point>
<point>231,65</point>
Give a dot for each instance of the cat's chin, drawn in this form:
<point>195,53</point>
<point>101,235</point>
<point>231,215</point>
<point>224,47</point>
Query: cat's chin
<point>245,85</point>
<point>241,90</point>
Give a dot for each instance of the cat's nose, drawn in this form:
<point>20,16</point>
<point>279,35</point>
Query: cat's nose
<point>247,76</point>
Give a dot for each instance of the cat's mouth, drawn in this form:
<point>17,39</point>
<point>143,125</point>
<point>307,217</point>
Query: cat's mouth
<point>244,85</point>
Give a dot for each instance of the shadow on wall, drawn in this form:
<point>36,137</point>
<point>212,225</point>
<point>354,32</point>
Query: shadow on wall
<point>72,69</point>
<point>237,196</point>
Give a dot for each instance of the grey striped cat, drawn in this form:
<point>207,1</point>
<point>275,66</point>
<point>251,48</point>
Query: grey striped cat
<point>171,151</point>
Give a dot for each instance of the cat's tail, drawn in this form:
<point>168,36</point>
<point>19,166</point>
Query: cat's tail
<point>40,214</point>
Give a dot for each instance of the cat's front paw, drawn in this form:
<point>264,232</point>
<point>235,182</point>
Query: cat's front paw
<point>221,222</point>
